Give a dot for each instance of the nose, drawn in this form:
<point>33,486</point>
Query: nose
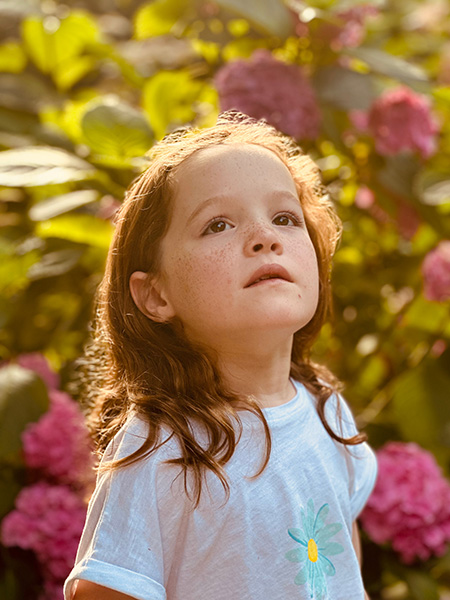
<point>263,238</point>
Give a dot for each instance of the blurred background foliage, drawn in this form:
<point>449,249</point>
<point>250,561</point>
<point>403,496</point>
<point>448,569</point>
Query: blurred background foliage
<point>86,88</point>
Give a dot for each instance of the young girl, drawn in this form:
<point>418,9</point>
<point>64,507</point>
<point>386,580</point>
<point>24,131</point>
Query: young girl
<point>231,468</point>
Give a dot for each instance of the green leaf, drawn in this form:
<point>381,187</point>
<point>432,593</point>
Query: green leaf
<point>23,399</point>
<point>114,129</point>
<point>83,229</point>
<point>344,89</point>
<point>14,269</point>
<point>9,488</point>
<point>391,66</point>
<point>36,165</point>
<point>433,188</point>
<point>57,205</point>
<point>38,43</point>
<point>12,58</point>
<point>169,99</point>
<point>54,44</point>
<point>272,17</point>
<point>421,585</point>
<point>427,316</point>
<point>159,17</point>
<point>54,264</point>
<point>421,409</point>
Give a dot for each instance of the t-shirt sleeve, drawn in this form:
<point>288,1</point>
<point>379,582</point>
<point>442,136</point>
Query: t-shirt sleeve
<point>361,462</point>
<point>122,543</point>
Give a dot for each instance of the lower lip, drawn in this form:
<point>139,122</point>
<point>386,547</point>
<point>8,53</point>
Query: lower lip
<point>272,281</point>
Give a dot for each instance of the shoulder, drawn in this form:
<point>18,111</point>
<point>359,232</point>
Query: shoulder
<point>133,435</point>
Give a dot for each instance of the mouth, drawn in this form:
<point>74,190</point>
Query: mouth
<point>267,272</point>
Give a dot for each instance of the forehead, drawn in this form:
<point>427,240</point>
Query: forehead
<point>229,167</point>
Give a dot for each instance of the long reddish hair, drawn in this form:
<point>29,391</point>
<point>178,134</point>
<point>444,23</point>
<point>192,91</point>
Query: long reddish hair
<point>136,364</point>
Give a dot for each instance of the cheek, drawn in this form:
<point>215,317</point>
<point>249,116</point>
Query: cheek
<point>199,275</point>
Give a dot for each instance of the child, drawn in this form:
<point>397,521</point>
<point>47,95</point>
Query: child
<point>226,470</point>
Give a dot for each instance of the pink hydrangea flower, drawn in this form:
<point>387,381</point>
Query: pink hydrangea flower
<point>401,120</point>
<point>38,363</point>
<point>49,520</point>
<point>58,445</point>
<point>410,505</point>
<point>436,272</point>
<point>266,88</point>
<point>352,31</point>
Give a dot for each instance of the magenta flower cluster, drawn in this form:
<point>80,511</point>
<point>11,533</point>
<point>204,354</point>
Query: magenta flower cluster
<point>436,272</point>
<point>266,88</point>
<point>410,505</point>
<point>49,514</point>
<point>58,444</point>
<point>400,120</point>
<point>48,519</point>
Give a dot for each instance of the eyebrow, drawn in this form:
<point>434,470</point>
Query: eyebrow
<point>279,195</point>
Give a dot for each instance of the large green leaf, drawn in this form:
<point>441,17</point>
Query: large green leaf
<point>169,99</point>
<point>159,17</point>
<point>83,229</point>
<point>39,165</point>
<point>23,399</point>
<point>114,129</point>
<point>421,408</point>
<point>12,58</point>
<point>54,264</point>
<point>433,188</point>
<point>270,16</point>
<point>392,66</point>
<point>55,45</point>
<point>57,205</point>
<point>344,89</point>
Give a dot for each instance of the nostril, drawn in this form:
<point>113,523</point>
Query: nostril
<point>257,247</point>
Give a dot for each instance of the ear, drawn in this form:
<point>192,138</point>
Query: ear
<point>148,296</point>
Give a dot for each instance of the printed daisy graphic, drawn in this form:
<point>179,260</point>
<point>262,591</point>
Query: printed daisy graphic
<point>314,550</point>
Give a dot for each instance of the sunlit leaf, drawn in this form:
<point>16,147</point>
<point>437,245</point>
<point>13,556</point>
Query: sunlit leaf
<point>424,315</point>
<point>391,66</point>
<point>169,99</point>
<point>112,128</point>
<point>14,269</point>
<point>53,45</point>
<point>35,165</point>
<point>12,58</point>
<point>84,229</point>
<point>54,264</point>
<point>159,17</point>
<point>23,399</point>
<point>38,43</point>
<point>271,17</point>
<point>433,188</point>
<point>344,89</point>
<point>57,205</point>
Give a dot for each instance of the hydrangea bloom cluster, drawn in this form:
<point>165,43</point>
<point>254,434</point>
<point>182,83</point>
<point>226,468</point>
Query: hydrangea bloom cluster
<point>352,32</point>
<point>401,120</point>
<point>38,363</point>
<point>410,505</point>
<point>58,444</point>
<point>266,88</point>
<point>436,272</point>
<point>48,519</point>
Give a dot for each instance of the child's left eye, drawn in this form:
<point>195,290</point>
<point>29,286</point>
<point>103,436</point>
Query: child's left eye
<point>286,220</point>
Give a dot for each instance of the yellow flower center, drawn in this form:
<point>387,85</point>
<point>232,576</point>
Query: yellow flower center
<point>313,554</point>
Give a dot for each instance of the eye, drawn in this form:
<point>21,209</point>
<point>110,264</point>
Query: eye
<point>216,226</point>
<point>287,219</point>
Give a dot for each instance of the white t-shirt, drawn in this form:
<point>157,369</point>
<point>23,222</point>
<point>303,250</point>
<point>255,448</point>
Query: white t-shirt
<point>286,534</point>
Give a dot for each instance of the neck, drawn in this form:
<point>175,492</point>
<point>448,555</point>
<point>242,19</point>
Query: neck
<point>261,374</point>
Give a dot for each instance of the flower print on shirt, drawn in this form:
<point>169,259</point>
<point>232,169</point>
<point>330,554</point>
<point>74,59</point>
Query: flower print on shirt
<point>315,548</point>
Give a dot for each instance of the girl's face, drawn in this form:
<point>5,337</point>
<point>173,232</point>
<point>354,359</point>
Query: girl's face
<point>237,261</point>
